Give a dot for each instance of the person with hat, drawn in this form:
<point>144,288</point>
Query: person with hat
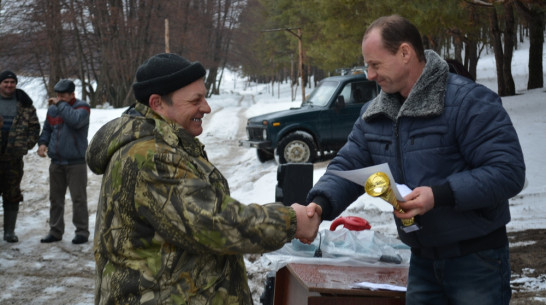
<point>20,129</point>
<point>64,140</point>
<point>167,230</point>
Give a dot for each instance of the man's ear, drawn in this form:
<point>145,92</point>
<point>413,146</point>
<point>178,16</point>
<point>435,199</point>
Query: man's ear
<point>154,101</point>
<point>406,50</point>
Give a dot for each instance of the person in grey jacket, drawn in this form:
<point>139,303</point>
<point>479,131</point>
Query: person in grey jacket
<point>64,140</point>
<point>451,142</point>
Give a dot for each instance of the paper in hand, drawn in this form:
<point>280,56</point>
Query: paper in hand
<point>359,176</point>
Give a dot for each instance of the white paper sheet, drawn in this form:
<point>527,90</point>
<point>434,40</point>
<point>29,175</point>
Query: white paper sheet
<point>374,286</point>
<point>359,176</point>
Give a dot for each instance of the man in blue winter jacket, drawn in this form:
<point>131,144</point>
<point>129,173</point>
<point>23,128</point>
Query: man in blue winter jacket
<point>64,140</point>
<point>451,141</point>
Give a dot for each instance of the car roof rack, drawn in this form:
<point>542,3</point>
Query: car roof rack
<point>352,71</point>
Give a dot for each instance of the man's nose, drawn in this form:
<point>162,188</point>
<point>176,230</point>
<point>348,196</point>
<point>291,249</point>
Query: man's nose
<point>205,107</point>
<point>372,75</point>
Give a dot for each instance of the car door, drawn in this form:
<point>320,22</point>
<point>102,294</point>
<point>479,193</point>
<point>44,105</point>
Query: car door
<point>355,95</point>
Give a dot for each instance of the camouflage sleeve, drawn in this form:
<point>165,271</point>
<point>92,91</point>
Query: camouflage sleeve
<point>194,213</point>
<point>33,129</point>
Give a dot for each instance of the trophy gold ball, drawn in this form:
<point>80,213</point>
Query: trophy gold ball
<point>378,185</point>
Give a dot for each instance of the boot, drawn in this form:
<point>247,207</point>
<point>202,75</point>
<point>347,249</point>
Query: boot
<point>10,217</point>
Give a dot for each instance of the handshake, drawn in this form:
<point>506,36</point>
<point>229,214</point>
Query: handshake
<point>309,219</point>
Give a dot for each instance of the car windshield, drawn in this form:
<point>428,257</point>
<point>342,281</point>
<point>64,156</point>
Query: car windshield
<point>322,94</point>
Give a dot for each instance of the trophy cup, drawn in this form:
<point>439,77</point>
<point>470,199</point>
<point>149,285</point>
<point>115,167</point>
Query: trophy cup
<point>378,185</point>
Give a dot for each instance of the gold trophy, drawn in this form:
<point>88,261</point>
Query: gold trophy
<point>378,185</point>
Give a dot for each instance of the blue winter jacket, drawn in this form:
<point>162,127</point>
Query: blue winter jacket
<point>65,132</point>
<point>451,134</point>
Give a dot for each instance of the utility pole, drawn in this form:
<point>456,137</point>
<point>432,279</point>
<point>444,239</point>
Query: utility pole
<point>167,46</point>
<point>300,51</point>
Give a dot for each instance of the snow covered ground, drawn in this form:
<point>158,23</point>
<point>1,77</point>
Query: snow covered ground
<point>62,273</point>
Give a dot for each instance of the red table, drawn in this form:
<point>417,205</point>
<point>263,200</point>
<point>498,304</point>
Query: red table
<point>311,284</point>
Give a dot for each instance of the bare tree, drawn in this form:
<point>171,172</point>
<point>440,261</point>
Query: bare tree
<point>496,42</point>
<point>124,34</point>
<point>84,48</point>
<point>102,42</point>
<point>50,12</point>
<point>534,14</point>
<point>503,51</point>
<point>509,40</point>
<point>226,18</point>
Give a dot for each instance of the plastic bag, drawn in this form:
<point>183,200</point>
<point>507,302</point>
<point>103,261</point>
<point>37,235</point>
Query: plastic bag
<point>343,247</point>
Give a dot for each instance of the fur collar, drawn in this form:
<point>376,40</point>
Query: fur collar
<point>426,99</point>
<point>22,97</point>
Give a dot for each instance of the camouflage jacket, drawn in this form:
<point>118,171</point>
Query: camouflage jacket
<point>167,231</point>
<point>24,131</point>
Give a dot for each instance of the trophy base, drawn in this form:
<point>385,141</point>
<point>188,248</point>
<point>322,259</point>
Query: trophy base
<point>412,228</point>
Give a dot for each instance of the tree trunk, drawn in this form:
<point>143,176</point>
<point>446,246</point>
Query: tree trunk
<point>471,42</point>
<point>54,43</point>
<point>509,34</point>
<point>496,42</point>
<point>80,35</point>
<point>471,56</point>
<point>210,82</point>
<point>124,36</point>
<point>458,43</point>
<point>535,19</point>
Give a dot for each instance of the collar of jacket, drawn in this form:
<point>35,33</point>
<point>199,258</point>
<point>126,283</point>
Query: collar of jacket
<point>23,97</point>
<point>172,133</point>
<point>426,98</point>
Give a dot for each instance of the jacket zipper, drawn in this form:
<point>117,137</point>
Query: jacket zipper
<point>399,153</point>
<point>413,236</point>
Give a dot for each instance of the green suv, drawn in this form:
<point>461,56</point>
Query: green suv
<point>319,127</point>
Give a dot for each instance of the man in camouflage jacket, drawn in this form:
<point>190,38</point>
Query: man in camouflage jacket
<point>167,230</point>
<point>19,133</point>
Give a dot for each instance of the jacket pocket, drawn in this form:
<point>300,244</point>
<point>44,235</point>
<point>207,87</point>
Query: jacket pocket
<point>381,148</point>
<point>428,137</point>
<point>378,142</point>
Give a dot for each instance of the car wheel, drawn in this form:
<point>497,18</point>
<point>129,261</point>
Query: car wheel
<point>297,147</point>
<point>264,155</point>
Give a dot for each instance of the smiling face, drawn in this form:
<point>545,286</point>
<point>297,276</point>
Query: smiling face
<point>7,87</point>
<point>186,106</point>
<point>392,71</point>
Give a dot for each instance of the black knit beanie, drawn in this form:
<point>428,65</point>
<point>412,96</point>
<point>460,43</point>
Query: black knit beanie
<point>164,73</point>
<point>7,74</point>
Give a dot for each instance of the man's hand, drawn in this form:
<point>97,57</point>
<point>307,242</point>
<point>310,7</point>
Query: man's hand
<point>418,202</point>
<point>42,151</point>
<point>307,228</point>
<point>313,208</point>
<point>52,101</point>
